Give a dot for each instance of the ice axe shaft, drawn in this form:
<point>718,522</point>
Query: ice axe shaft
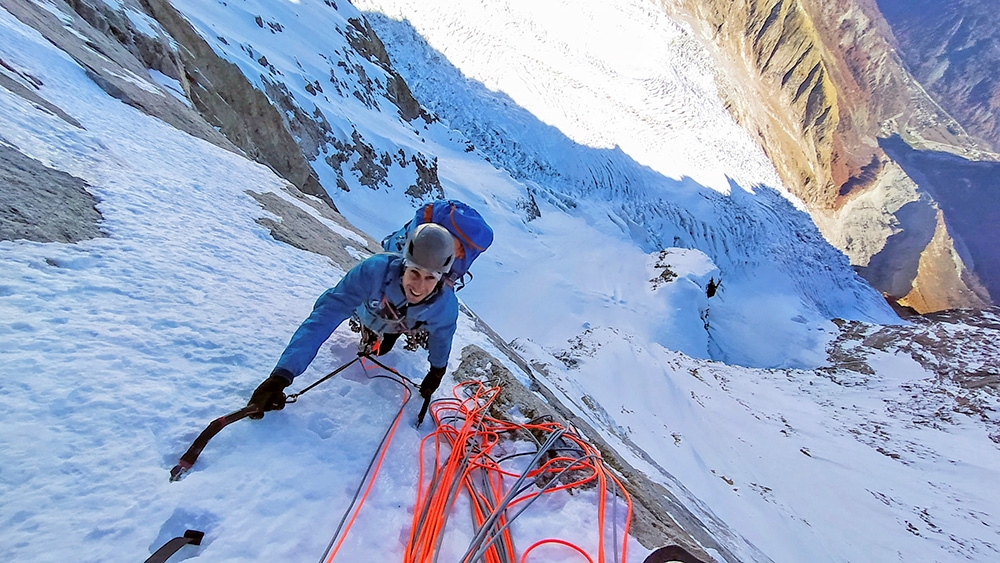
<point>191,455</point>
<point>192,537</point>
<point>423,411</point>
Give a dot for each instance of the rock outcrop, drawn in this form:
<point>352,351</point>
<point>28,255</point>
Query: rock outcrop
<point>101,42</point>
<point>296,226</point>
<point>227,100</point>
<point>41,204</point>
<point>224,108</point>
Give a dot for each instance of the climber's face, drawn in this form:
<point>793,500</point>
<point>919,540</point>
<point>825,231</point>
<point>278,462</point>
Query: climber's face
<point>418,284</point>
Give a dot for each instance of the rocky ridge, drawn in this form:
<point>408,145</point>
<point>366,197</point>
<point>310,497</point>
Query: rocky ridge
<point>267,122</point>
<point>958,347</point>
<point>214,101</point>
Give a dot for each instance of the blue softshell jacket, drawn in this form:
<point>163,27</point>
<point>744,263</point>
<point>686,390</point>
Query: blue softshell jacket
<point>366,289</point>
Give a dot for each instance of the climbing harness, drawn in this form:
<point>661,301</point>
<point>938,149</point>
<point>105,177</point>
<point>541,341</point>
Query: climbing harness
<point>416,337</point>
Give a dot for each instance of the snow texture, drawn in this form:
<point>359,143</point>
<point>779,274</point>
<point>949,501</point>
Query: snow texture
<point>116,351</point>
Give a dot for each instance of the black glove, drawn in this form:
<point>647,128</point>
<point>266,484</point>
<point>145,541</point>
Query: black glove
<point>431,382</point>
<point>388,341</point>
<point>269,395</point>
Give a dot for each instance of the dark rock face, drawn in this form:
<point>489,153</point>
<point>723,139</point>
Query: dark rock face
<point>227,100</point>
<point>220,105</point>
<point>968,194</point>
<point>363,39</point>
<point>40,204</point>
<point>102,43</point>
<point>228,111</point>
<point>953,48</point>
<point>297,228</point>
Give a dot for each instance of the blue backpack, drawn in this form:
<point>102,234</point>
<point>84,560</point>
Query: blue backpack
<point>464,223</point>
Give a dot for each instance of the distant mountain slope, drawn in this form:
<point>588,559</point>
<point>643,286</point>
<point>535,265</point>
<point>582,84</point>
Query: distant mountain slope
<point>953,48</point>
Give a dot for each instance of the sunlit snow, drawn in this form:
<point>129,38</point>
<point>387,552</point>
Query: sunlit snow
<point>115,352</point>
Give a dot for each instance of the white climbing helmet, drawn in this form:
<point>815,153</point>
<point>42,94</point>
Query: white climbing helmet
<point>430,247</point>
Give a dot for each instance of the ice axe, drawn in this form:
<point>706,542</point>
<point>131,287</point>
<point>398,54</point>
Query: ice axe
<point>192,537</point>
<point>191,455</point>
<point>423,411</point>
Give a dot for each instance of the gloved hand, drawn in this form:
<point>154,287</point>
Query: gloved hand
<point>431,382</point>
<point>269,395</point>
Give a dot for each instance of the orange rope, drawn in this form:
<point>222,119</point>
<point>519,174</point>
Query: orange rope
<point>524,557</point>
<point>467,436</point>
<point>371,480</point>
<point>463,441</point>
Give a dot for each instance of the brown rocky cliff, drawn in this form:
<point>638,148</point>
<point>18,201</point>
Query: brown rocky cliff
<point>776,84</point>
<point>878,95</point>
<point>819,82</point>
<point>784,45</point>
<point>943,282</point>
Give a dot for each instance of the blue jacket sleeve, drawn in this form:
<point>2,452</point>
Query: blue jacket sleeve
<point>442,331</point>
<point>333,307</point>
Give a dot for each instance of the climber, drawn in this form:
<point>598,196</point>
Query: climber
<point>391,294</point>
<point>713,286</point>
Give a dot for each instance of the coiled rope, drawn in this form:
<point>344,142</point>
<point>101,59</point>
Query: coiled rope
<point>463,442</point>
<point>469,435</point>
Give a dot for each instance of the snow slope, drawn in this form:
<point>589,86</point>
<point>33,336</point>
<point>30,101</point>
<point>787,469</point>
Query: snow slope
<point>613,105</point>
<point>115,352</point>
<point>606,142</point>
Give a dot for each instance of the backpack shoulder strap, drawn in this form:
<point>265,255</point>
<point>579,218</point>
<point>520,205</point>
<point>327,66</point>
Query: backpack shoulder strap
<point>465,238</point>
